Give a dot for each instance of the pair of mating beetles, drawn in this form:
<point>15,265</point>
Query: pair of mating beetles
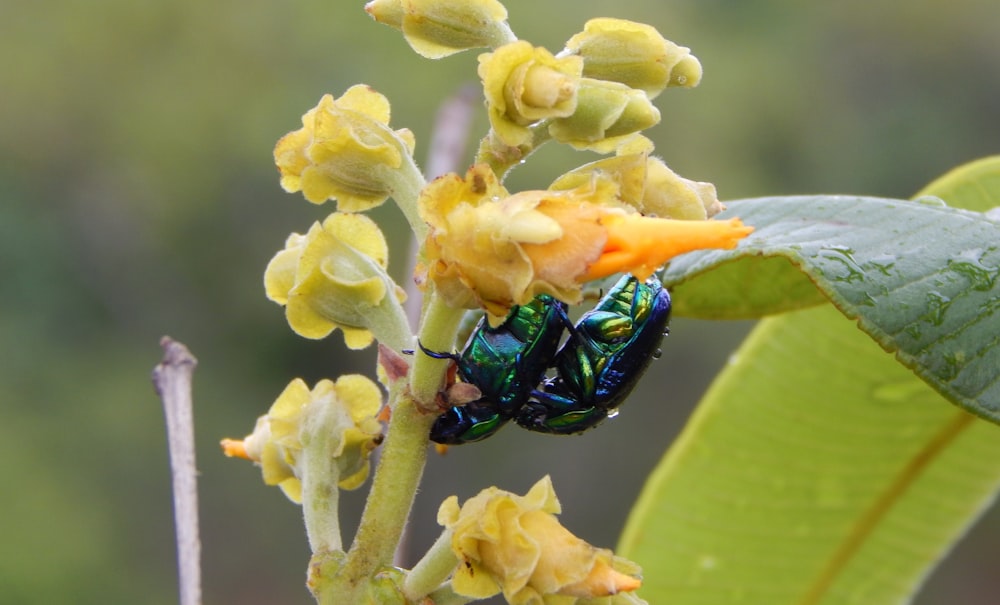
<point>604,356</point>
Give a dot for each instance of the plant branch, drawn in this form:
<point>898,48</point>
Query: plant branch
<point>388,507</point>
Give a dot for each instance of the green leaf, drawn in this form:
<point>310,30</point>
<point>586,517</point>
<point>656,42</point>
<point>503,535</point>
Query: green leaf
<point>973,186</point>
<point>920,278</point>
<point>816,470</point>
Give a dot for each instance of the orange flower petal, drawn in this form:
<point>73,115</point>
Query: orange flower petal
<point>639,245</point>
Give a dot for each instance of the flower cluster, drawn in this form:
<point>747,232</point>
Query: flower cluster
<point>484,246</point>
<point>481,247</point>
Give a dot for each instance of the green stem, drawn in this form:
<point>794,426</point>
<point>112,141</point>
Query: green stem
<point>446,596</point>
<point>319,475</point>
<point>432,570</point>
<point>398,473</point>
<point>437,333</point>
<point>393,489</point>
<point>502,158</point>
<point>388,321</point>
<point>406,186</point>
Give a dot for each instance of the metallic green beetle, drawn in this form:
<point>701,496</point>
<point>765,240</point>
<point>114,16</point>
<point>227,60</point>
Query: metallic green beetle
<point>607,352</point>
<point>506,363</point>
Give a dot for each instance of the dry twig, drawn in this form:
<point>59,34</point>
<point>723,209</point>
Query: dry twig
<point>172,380</point>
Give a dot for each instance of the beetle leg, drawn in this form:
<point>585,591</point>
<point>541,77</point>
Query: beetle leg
<point>558,413</point>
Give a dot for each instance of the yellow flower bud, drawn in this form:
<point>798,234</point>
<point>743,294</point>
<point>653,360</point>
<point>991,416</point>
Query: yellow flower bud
<point>670,195</point>
<point>346,151</point>
<point>524,84</point>
<point>649,186</point>
<point>515,544</point>
<point>351,403</point>
<point>438,28</point>
<point>634,54</point>
<point>607,115</point>
<point>334,277</point>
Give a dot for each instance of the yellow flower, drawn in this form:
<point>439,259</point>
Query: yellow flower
<point>493,250</point>
<point>438,28</point>
<point>524,84</point>
<point>515,544</point>
<point>346,151</point>
<point>648,185</point>
<point>634,54</point>
<point>608,115</point>
<point>278,438</point>
<point>334,277</point>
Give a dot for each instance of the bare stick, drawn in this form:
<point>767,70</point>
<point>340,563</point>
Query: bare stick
<point>451,132</point>
<point>172,380</point>
<point>449,140</point>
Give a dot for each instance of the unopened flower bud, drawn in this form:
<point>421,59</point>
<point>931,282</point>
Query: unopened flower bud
<point>634,54</point>
<point>607,115</point>
<point>670,195</point>
<point>647,184</point>
<point>438,28</point>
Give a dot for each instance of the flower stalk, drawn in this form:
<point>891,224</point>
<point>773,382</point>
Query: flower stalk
<point>320,475</point>
<point>433,569</point>
<point>395,484</point>
<point>437,333</point>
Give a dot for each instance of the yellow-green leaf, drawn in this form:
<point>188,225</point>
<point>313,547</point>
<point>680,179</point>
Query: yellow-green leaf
<point>816,470</point>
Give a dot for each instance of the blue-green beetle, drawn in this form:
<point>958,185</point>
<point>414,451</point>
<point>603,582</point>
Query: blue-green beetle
<point>607,352</point>
<point>506,363</point>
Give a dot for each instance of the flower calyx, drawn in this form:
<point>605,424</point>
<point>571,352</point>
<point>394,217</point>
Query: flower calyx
<point>346,151</point>
<point>335,276</point>
<point>525,84</point>
<point>514,544</point>
<point>344,410</point>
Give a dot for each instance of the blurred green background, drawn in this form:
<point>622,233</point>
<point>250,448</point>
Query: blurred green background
<point>138,198</point>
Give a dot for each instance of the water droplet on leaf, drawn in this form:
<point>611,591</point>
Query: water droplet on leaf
<point>930,200</point>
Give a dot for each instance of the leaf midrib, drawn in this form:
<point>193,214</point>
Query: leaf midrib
<point>881,506</point>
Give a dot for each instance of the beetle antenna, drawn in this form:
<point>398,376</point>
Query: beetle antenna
<point>437,355</point>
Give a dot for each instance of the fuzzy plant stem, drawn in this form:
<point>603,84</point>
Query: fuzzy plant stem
<point>406,187</point>
<point>393,489</point>
<point>437,333</point>
<point>320,476</point>
<point>432,570</point>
